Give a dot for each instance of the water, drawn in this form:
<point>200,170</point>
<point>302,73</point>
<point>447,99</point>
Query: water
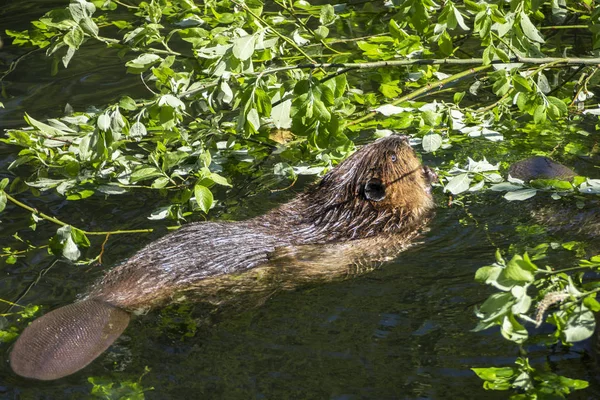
<point>401,332</point>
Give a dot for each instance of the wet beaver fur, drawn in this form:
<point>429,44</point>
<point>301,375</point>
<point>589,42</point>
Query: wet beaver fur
<point>365,210</point>
<point>558,216</point>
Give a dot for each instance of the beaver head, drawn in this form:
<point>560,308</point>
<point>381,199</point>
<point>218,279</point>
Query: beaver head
<point>382,188</point>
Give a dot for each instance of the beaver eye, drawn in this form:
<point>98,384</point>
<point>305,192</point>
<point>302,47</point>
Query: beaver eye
<point>393,157</point>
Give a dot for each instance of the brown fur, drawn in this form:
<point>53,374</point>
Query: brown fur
<point>335,210</point>
<point>364,211</point>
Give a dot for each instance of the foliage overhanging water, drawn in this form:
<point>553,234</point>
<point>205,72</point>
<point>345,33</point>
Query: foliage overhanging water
<point>400,332</point>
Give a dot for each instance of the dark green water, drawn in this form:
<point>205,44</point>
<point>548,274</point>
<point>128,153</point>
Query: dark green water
<point>401,332</point>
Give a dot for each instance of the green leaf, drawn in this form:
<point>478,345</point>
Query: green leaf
<point>591,303</point>
<point>142,63</point>
<point>243,47</point>
<point>539,115</point>
<point>219,180</point>
<point>520,269</point>
<point>459,19</point>
<point>521,83</point>
<point>445,44</point>
<point>580,324</point>
<point>137,130</point>
<point>327,14</point>
<point>64,240</point>
<point>171,101</point>
<point>512,330</point>
<point>89,26</point>
<point>520,195</point>
<point>458,184</point>
<point>253,119</point>
<point>280,114</point>
<point>127,103</point>
<point>44,127</point>
<point>160,182</point>
<point>529,29</point>
<point>80,195</point>
<point>495,373</point>
<point>431,142</point>
<point>502,55</point>
<point>3,183</point>
<point>104,122</point>
<point>559,104</point>
<point>543,83</point>
<point>496,307</point>
<point>2,201</point>
<point>144,173</point>
<point>487,274</point>
<point>204,197</point>
<point>458,96</point>
<point>79,237</point>
<point>74,37</point>
<point>321,32</point>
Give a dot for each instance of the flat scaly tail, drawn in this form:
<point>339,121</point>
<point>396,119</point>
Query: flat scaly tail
<point>67,339</point>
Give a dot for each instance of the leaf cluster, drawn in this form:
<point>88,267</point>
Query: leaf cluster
<point>528,294</point>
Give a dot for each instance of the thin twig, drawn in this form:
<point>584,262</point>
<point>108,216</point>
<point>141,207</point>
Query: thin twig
<point>61,223</point>
<point>439,84</point>
<point>406,62</point>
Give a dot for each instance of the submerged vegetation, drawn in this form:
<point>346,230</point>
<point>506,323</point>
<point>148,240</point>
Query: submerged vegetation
<point>245,90</point>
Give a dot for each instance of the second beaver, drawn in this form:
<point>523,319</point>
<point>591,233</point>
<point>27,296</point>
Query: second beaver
<point>365,210</point>
<point>559,216</point>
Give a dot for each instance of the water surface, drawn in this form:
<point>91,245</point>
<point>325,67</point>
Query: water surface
<point>400,332</point>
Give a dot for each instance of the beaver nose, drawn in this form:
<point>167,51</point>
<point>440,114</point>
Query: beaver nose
<point>399,141</point>
<point>403,139</point>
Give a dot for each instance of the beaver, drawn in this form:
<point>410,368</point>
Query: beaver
<point>540,167</point>
<point>365,210</point>
<point>558,216</point>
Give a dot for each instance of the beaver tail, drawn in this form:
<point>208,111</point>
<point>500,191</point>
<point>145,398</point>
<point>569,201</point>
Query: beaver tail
<point>67,339</point>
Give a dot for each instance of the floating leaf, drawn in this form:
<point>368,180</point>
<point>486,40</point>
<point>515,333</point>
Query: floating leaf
<point>520,195</point>
<point>458,184</point>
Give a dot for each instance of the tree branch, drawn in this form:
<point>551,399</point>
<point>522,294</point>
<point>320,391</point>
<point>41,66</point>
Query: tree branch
<point>424,89</point>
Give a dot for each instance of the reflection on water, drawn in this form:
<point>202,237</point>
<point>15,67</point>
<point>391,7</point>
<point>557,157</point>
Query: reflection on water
<point>402,331</point>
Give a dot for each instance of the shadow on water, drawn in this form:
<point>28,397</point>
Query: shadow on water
<point>402,331</point>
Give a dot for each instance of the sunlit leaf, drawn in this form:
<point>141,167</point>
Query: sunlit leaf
<point>458,184</point>
<point>580,325</point>
<point>2,201</point>
<point>204,197</point>
<point>529,29</point>
<point>431,142</point>
<point>243,47</point>
<point>520,195</point>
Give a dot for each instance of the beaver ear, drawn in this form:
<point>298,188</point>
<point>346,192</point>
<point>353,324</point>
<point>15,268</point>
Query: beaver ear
<point>374,189</point>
